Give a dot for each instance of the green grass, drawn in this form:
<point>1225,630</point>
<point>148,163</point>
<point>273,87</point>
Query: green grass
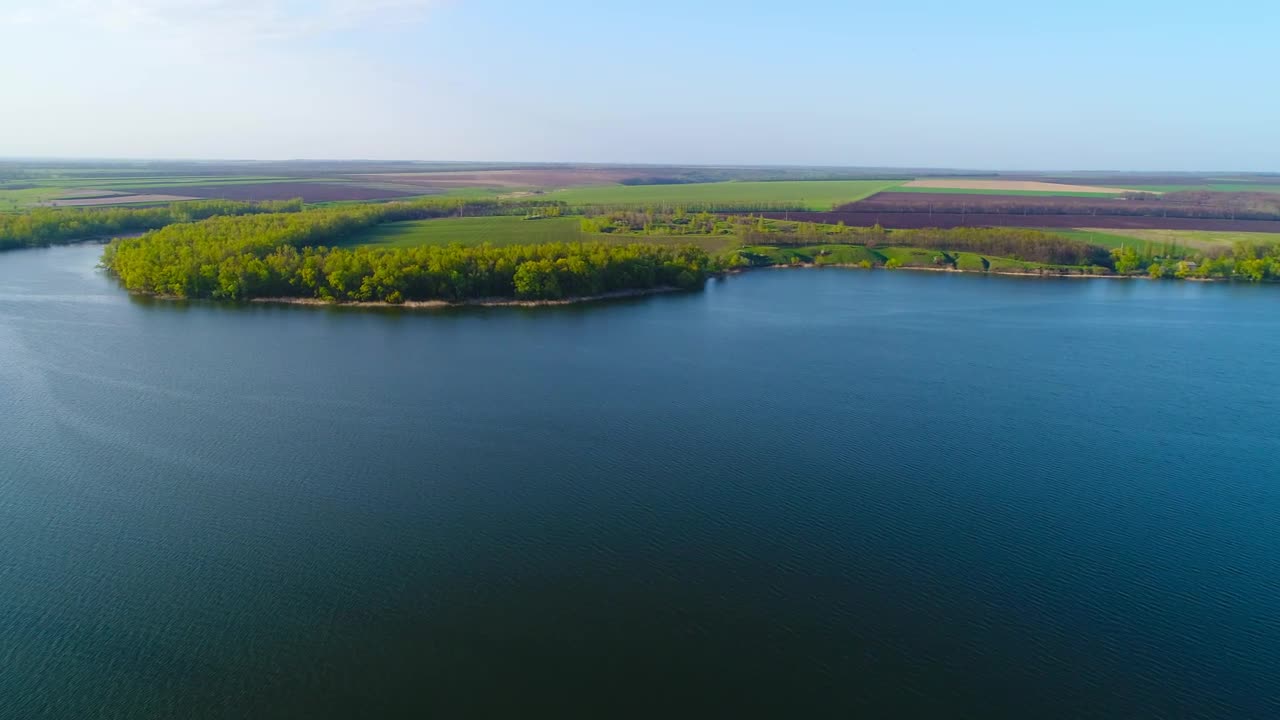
<point>910,256</point>
<point>815,194</point>
<point>813,254</point>
<point>1199,239</point>
<point>12,200</point>
<point>1106,238</point>
<point>502,230</point>
<point>54,187</point>
<point>971,261</point>
<point>511,230</point>
<point>1031,193</point>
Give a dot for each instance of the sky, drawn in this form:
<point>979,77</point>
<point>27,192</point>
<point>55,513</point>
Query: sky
<point>1085,85</point>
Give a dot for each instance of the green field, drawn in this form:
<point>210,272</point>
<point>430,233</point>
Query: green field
<point>1200,239</point>
<point>512,230</point>
<point>1105,238</point>
<point>815,194</point>
<point>501,230</point>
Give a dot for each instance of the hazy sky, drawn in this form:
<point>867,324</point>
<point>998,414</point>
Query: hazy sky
<point>1080,85</point>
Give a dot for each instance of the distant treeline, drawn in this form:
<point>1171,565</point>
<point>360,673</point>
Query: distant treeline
<point>282,255</point>
<point>1016,243</point>
<point>53,226</point>
<point>654,221</point>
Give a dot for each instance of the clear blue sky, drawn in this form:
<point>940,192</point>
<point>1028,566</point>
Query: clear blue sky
<point>1079,85</point>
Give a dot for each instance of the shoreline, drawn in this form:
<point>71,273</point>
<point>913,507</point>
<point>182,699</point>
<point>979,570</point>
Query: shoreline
<point>662,290</point>
<point>1003,273</point>
<point>474,302</point>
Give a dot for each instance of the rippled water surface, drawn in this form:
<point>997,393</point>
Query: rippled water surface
<point>798,494</point>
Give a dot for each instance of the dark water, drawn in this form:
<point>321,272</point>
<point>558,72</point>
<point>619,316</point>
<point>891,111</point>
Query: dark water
<point>798,494</point>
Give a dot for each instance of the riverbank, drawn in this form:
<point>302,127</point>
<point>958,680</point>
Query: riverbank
<point>1008,273</point>
<point>475,302</point>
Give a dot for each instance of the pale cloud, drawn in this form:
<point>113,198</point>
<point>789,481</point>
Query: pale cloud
<point>219,20</point>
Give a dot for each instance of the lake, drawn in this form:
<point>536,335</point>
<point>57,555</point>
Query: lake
<point>800,493</point>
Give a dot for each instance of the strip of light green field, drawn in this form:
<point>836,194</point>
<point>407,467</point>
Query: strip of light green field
<point>814,194</point>
<point>514,230</point>
<point>1199,239</point>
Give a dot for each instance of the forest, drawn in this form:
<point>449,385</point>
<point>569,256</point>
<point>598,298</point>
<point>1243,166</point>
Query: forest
<point>1017,243</point>
<point>292,255</point>
<point>52,226</point>
<point>1252,262</point>
<point>55,226</point>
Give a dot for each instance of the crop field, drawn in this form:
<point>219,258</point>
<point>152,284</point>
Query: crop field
<point>1005,186</point>
<point>66,192</point>
<point>1184,205</point>
<point>814,194</point>
<point>546,178</point>
<point>512,230</point>
<point>1095,236</point>
<point>1210,187</point>
<point>907,220</point>
<point>1201,239</point>
<point>1183,210</point>
<point>117,200</point>
<point>499,230</point>
<point>311,192</point>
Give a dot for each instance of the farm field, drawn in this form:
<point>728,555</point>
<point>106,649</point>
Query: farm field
<point>309,191</point>
<point>116,199</point>
<point>1004,186</point>
<point>1095,236</point>
<point>506,180</point>
<point>1211,187</point>
<point>88,192</point>
<point>1201,239</point>
<point>814,194</point>
<point>498,230</point>
<point>1110,223</point>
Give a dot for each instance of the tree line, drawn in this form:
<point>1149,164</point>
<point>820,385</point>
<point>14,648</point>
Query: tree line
<point>1252,262</point>
<point>54,226</point>
<point>293,255</point>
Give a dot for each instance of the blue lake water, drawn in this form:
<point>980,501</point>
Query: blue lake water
<point>819,493</point>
